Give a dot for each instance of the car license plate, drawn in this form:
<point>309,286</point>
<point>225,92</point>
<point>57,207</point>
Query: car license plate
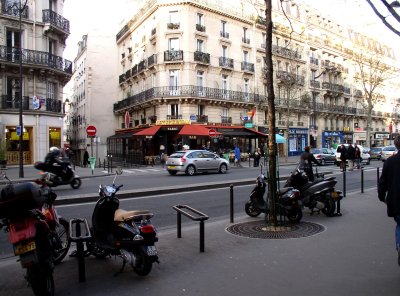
<point>172,167</point>
<point>151,251</point>
<point>24,247</point>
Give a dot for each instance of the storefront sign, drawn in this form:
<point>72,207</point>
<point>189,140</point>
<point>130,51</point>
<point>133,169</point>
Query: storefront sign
<point>173,122</point>
<point>381,136</point>
<point>333,134</point>
<point>14,136</point>
<point>298,131</point>
<point>360,136</point>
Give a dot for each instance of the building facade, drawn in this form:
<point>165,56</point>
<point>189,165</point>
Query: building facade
<point>35,44</point>
<point>202,62</point>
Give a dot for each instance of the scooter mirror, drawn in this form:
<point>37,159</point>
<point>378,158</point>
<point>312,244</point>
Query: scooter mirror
<point>118,171</point>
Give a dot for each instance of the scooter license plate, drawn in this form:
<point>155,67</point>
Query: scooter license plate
<point>24,247</point>
<point>151,251</point>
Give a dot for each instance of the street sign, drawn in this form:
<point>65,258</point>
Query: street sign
<point>248,125</point>
<point>91,131</point>
<point>19,132</point>
<point>212,133</point>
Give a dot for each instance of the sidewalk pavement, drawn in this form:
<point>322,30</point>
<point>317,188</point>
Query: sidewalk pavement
<point>353,256</point>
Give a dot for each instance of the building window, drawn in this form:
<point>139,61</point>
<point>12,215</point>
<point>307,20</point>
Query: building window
<point>200,19</point>
<point>200,45</point>
<point>245,56</point>
<point>225,112</point>
<point>224,27</point>
<point>174,82</point>
<point>173,44</point>
<point>174,111</point>
<point>201,110</point>
<point>153,80</point>
<point>224,51</point>
<point>225,86</point>
<point>200,83</point>
<point>246,89</point>
<point>51,90</point>
<point>173,17</point>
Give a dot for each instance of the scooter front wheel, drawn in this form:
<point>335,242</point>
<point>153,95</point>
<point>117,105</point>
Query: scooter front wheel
<point>295,215</point>
<point>62,231</point>
<point>76,183</point>
<point>251,210</point>
<point>41,280</point>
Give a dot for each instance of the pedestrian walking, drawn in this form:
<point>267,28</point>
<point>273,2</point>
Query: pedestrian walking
<point>350,156</point>
<point>389,191</point>
<point>85,158</point>
<point>306,160</point>
<point>343,157</point>
<point>237,156</point>
<point>357,156</point>
<point>257,157</point>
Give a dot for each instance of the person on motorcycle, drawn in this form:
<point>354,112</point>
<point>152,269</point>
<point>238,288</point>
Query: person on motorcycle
<point>306,159</point>
<point>54,164</point>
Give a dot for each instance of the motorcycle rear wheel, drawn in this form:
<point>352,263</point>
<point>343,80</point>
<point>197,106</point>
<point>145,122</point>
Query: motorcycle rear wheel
<point>330,207</point>
<point>143,264</point>
<point>295,215</point>
<point>251,210</point>
<point>41,281</point>
<point>63,235</point>
<point>76,183</point>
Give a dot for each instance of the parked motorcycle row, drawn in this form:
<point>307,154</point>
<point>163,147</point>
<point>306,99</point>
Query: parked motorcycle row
<point>298,193</point>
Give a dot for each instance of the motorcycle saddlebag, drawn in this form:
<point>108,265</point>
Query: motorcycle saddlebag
<point>18,198</point>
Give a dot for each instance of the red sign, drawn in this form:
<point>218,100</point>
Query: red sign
<point>91,130</point>
<point>212,133</point>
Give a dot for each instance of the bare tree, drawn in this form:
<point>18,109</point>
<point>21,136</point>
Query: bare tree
<point>371,74</point>
<point>390,8</point>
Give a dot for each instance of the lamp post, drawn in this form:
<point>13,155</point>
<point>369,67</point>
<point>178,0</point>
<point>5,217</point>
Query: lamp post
<point>21,125</point>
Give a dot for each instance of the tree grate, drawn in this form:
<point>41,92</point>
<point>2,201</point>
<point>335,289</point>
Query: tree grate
<point>259,229</point>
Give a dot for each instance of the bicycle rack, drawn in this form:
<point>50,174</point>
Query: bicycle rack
<point>75,234</point>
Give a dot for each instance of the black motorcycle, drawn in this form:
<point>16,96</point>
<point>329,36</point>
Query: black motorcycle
<point>288,201</point>
<point>127,234</point>
<point>52,179</point>
<point>318,195</point>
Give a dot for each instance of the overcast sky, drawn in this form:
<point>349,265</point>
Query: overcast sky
<point>83,14</point>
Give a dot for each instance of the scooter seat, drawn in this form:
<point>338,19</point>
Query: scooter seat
<point>284,190</point>
<point>122,215</point>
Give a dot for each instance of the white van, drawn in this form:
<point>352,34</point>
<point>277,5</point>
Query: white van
<point>366,157</point>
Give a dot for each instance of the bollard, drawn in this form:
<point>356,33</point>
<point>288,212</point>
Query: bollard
<point>249,161</point>
<point>104,164</point>
<point>231,202</point>
<point>362,180</point>
<point>344,183</point>
<point>377,175</point>
<point>179,225</point>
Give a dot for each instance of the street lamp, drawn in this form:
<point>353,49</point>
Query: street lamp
<point>21,125</point>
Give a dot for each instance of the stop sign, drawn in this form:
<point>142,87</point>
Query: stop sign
<point>212,133</point>
<point>91,130</point>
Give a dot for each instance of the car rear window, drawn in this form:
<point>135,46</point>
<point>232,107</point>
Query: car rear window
<point>177,155</point>
<point>390,148</point>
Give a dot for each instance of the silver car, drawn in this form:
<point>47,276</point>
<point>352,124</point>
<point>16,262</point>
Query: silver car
<point>388,151</point>
<point>194,161</point>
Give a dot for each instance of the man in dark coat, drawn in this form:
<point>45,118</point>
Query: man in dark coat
<point>389,183</point>
<point>306,160</point>
<point>351,156</point>
<point>343,157</point>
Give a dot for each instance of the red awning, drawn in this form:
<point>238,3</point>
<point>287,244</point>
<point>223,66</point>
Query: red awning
<point>195,130</point>
<point>150,131</point>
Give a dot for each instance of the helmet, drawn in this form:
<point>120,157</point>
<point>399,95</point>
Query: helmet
<point>54,151</point>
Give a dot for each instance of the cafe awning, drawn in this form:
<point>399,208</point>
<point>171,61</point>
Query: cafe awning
<point>150,131</point>
<point>121,136</point>
<point>195,130</point>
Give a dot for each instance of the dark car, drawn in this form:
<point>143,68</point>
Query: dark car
<point>376,153</point>
<point>324,155</point>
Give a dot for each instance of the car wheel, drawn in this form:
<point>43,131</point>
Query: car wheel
<point>173,173</point>
<point>190,170</point>
<point>223,168</point>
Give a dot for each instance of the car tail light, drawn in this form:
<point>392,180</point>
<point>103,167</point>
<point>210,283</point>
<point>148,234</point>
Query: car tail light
<point>318,156</point>
<point>183,159</point>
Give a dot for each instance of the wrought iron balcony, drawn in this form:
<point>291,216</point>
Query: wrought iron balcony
<point>202,57</point>
<point>13,9</point>
<point>224,34</point>
<point>142,66</point>
<point>173,55</point>
<point>34,57</point>
<point>169,117</point>
<point>248,67</point>
<point>288,77</point>
<point>226,62</point>
<point>134,70</point>
<point>314,61</point>
<point>173,26</point>
<point>56,20</point>
<point>226,119</point>
<point>13,103</point>
<point>121,78</point>
<point>245,40</point>
<point>286,52</point>
<point>151,60</point>
<point>200,28</point>
<point>128,74</point>
<point>201,118</point>
<point>315,84</point>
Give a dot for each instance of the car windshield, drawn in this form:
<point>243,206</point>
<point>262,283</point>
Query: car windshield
<point>376,149</point>
<point>316,151</point>
<point>389,148</point>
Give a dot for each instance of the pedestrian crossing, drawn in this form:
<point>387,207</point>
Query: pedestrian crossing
<point>146,171</point>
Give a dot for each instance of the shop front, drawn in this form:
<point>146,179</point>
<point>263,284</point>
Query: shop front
<point>360,137</point>
<point>298,139</point>
<point>381,139</point>
<point>331,139</point>
<point>12,145</point>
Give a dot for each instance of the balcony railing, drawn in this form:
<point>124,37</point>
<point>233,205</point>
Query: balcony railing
<point>151,60</point>
<point>286,52</point>
<point>315,84</point>
<point>176,116</point>
<point>13,103</point>
<point>202,57</point>
<point>226,62</point>
<point>224,34</point>
<point>200,28</point>
<point>34,57</point>
<point>226,119</point>
<point>289,77</point>
<point>56,20</point>
<point>142,66</point>
<point>201,118</point>
<point>314,61</point>
<point>13,9</point>
<point>248,67</point>
<point>173,55</point>
<point>173,26</point>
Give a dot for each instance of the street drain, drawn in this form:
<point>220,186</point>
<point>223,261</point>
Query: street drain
<point>259,229</point>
